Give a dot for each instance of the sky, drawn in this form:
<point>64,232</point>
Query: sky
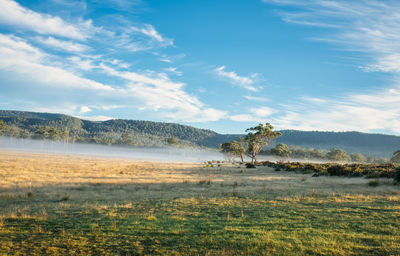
<point>327,65</point>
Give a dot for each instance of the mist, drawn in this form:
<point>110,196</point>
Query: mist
<point>169,154</point>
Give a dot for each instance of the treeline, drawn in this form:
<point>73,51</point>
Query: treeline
<point>285,152</point>
<point>259,137</point>
<point>51,133</point>
<point>112,132</point>
<point>156,134</point>
<point>381,145</point>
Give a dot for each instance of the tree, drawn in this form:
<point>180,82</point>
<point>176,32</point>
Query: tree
<point>65,136</point>
<point>233,148</point>
<point>396,157</point>
<point>281,150</point>
<point>358,158</point>
<point>126,139</point>
<point>257,138</point>
<point>172,141</point>
<point>40,133</point>
<point>3,127</point>
<point>337,155</point>
<point>53,133</point>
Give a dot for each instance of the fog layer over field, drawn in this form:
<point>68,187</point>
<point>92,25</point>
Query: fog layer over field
<point>170,154</point>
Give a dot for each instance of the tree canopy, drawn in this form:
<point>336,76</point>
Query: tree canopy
<point>258,138</point>
<point>281,150</point>
<point>233,148</point>
<point>396,157</point>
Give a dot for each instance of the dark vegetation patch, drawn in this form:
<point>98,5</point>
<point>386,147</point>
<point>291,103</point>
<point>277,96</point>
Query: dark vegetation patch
<point>333,169</point>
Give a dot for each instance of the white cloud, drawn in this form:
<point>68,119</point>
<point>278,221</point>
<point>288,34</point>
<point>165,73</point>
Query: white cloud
<point>63,45</point>
<point>159,93</point>
<point>174,71</point>
<point>369,27</point>
<point>95,118</point>
<point>243,118</point>
<point>19,57</point>
<point>139,38</point>
<point>247,83</point>
<point>262,111</point>
<point>84,109</point>
<point>258,115</point>
<point>357,112</point>
<point>150,90</point>
<point>83,64</point>
<point>254,98</point>
<point>150,31</point>
<point>13,14</point>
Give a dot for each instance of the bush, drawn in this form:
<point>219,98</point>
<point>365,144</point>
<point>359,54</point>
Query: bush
<point>373,183</point>
<point>397,175</point>
<point>249,165</point>
<point>339,170</point>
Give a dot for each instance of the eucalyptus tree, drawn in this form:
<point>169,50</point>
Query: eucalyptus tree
<point>258,138</point>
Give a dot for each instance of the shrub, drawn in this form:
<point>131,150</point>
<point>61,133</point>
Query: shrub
<point>397,175</point>
<point>250,165</point>
<point>373,183</point>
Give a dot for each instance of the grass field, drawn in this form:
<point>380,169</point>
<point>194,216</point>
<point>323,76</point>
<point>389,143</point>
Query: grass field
<point>63,205</point>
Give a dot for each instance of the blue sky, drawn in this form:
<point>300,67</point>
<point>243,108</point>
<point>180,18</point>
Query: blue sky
<point>329,65</point>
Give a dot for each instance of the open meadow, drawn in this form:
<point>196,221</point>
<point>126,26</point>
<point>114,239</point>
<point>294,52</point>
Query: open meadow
<point>77,205</point>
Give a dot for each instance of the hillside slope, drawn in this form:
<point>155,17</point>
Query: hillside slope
<point>147,133</point>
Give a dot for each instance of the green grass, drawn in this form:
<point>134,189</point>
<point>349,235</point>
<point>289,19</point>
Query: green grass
<point>306,225</point>
<point>54,205</point>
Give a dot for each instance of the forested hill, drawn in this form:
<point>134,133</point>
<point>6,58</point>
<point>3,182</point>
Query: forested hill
<point>118,131</point>
<point>366,143</point>
<point>156,134</point>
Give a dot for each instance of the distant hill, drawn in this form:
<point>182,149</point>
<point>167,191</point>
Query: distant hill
<point>353,142</point>
<point>157,134</point>
<point>141,133</point>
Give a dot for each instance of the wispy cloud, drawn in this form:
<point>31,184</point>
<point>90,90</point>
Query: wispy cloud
<point>255,98</point>
<point>147,90</point>
<point>259,114</point>
<point>152,33</point>
<point>174,71</point>
<point>159,93</point>
<point>369,27</point>
<point>63,45</point>
<point>142,38</point>
<point>375,112</point>
<point>74,83</point>
<point>248,83</point>
<point>13,14</point>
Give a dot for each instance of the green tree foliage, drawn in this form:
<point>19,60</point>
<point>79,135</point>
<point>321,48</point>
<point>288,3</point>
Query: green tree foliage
<point>126,139</point>
<point>337,155</point>
<point>47,133</point>
<point>65,136</point>
<point>233,148</point>
<point>281,150</point>
<point>3,128</point>
<point>172,141</point>
<point>358,158</point>
<point>396,157</point>
<point>258,138</point>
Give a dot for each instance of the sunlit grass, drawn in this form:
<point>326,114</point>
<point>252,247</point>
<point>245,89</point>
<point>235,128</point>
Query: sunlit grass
<point>119,207</point>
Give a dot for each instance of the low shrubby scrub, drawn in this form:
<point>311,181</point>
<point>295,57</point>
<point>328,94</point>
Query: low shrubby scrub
<point>390,170</point>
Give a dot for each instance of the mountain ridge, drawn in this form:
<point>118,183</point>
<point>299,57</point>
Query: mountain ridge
<point>151,133</point>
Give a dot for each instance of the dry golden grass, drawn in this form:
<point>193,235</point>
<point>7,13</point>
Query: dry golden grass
<point>84,178</point>
<point>43,190</point>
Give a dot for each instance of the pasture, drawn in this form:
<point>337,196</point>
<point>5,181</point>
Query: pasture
<point>77,205</point>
